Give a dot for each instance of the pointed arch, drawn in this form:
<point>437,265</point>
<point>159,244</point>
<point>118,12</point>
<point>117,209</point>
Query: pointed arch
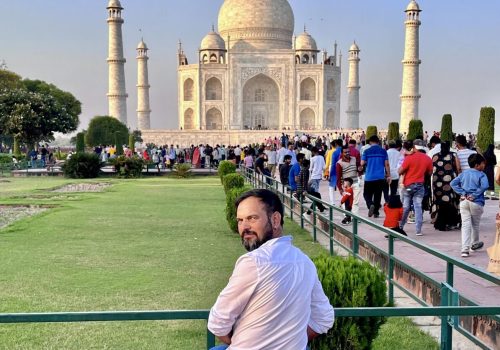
<point>330,119</point>
<point>308,90</point>
<point>261,103</point>
<point>214,119</point>
<point>188,89</point>
<point>307,118</point>
<point>189,119</point>
<point>213,90</point>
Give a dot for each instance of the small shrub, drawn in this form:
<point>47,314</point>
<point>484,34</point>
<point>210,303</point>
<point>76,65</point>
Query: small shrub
<point>370,131</point>
<point>231,197</point>
<point>231,181</point>
<point>5,158</point>
<point>350,283</point>
<point>226,167</point>
<point>82,166</point>
<point>128,167</point>
<point>182,170</point>
<point>61,155</point>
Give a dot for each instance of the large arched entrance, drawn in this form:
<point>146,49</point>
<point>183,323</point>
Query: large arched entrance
<point>261,103</point>
<point>214,119</point>
<point>307,117</point>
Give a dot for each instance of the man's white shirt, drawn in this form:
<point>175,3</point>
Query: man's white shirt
<point>317,167</point>
<point>273,295</point>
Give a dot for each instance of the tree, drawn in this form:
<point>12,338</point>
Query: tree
<point>66,99</point>
<point>370,131</point>
<point>9,80</point>
<point>486,128</point>
<point>393,131</point>
<point>33,117</point>
<point>106,130</point>
<point>415,130</point>
<point>131,142</point>
<point>447,128</point>
<point>137,135</point>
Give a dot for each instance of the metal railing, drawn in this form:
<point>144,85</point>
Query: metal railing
<point>448,313</point>
<point>449,297</point>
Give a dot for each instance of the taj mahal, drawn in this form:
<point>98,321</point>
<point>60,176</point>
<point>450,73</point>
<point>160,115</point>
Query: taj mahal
<point>253,75</point>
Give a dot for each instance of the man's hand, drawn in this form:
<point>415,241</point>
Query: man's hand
<point>225,339</point>
<point>311,334</point>
<point>389,180</point>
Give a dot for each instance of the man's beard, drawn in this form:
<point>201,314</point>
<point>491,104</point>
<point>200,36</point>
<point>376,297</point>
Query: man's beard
<point>255,243</point>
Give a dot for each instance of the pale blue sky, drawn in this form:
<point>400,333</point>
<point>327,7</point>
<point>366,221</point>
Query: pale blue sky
<point>65,42</point>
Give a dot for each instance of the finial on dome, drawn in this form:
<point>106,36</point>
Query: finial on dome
<point>305,28</point>
<point>213,27</point>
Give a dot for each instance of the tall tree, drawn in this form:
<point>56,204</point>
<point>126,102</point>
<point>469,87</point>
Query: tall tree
<point>447,128</point>
<point>9,80</point>
<point>370,131</point>
<point>106,130</point>
<point>486,128</point>
<point>33,117</point>
<point>393,131</point>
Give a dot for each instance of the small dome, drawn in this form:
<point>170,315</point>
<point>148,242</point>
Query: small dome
<point>142,45</point>
<point>305,42</point>
<point>354,47</point>
<point>413,6</point>
<point>213,41</point>
<point>115,3</point>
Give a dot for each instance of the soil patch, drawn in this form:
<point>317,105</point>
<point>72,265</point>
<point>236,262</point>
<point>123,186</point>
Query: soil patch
<point>12,213</point>
<point>90,187</point>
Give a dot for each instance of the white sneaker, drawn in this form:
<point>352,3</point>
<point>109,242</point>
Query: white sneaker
<point>419,234</point>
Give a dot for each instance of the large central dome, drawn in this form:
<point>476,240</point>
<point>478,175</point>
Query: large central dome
<point>257,24</point>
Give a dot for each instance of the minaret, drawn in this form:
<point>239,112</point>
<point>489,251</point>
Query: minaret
<point>353,89</point>
<point>117,95</point>
<point>411,62</point>
<point>143,110</point>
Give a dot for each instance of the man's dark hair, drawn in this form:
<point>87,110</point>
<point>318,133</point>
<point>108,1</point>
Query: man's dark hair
<point>345,147</point>
<point>475,159</point>
<point>399,144</point>
<point>339,143</point>
<point>461,140</point>
<point>408,145</point>
<point>435,140</point>
<point>287,157</point>
<point>374,139</point>
<point>300,156</point>
<point>392,144</point>
<point>314,149</point>
<point>348,179</point>
<point>352,142</point>
<point>270,200</point>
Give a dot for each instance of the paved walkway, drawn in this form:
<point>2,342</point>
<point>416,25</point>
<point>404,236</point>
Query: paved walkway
<point>449,242</point>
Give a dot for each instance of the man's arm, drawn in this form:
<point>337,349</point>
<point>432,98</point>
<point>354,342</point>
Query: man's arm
<point>339,172</point>
<point>322,314</point>
<point>233,299</point>
<point>404,167</point>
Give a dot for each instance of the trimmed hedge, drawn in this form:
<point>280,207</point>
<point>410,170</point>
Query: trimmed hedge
<point>5,158</point>
<point>128,167</point>
<point>447,128</point>
<point>225,167</point>
<point>82,166</point>
<point>80,142</point>
<point>393,131</point>
<point>370,131</point>
<point>231,181</point>
<point>486,128</point>
<point>415,130</point>
<point>231,197</point>
<point>348,282</point>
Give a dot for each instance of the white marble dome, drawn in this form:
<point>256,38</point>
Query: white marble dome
<point>305,42</point>
<point>212,41</point>
<point>142,45</point>
<point>257,24</point>
<point>354,47</point>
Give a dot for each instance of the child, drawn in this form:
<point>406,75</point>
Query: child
<point>471,185</point>
<point>347,199</point>
<point>393,214</point>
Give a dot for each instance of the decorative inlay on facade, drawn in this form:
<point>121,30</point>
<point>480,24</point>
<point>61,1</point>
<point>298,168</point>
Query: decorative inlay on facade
<point>250,72</point>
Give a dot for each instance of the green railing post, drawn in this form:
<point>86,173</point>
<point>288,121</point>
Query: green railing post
<point>302,211</point>
<point>446,330</point>
<point>355,242</point>
<point>390,272</point>
<point>449,273</point>
<point>314,221</point>
<point>291,204</point>
<point>210,340</point>
<point>330,230</point>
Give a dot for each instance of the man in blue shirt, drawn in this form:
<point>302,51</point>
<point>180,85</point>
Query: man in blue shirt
<point>332,176</point>
<point>376,174</point>
<point>294,172</point>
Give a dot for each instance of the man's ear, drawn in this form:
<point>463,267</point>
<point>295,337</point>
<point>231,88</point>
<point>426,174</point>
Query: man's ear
<point>276,220</point>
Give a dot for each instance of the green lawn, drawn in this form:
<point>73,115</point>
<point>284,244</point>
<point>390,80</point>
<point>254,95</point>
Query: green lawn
<point>148,244</point>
